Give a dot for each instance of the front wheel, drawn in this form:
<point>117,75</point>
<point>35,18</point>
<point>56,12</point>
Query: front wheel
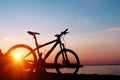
<point>67,61</point>
<point>23,57</point>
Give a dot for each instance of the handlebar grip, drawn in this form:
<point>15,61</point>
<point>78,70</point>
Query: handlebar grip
<point>66,30</point>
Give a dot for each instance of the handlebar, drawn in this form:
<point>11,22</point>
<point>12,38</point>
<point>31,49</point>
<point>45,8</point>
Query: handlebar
<point>62,33</point>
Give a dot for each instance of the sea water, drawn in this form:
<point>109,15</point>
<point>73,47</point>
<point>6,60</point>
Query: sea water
<point>100,70</point>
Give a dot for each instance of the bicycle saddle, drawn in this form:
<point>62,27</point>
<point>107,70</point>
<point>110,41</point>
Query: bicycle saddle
<point>33,33</point>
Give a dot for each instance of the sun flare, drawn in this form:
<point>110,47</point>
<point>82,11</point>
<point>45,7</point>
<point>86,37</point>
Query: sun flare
<point>17,57</point>
<point>20,53</point>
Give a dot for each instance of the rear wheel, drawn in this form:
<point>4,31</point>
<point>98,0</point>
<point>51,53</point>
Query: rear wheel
<point>23,57</point>
<point>67,61</point>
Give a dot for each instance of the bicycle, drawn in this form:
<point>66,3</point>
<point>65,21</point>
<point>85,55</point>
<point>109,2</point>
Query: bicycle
<point>65,59</point>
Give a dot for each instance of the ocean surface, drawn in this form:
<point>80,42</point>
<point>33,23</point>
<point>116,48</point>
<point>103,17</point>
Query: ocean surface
<point>100,70</point>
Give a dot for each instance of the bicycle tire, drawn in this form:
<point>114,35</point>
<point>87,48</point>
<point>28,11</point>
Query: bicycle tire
<point>72,56</point>
<point>31,59</point>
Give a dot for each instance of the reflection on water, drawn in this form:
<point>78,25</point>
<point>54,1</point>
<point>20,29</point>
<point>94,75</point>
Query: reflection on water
<point>111,70</point>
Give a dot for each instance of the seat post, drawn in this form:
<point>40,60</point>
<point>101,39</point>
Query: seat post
<point>37,45</point>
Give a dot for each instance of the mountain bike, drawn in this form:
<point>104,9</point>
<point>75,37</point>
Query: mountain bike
<point>65,60</point>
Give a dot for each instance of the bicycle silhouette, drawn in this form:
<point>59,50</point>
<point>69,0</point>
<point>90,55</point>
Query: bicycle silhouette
<point>65,60</point>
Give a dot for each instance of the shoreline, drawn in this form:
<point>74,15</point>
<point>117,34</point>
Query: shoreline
<point>56,76</point>
<point>101,65</point>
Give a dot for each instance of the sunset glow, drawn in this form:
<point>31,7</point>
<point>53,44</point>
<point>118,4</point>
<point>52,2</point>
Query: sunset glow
<point>94,27</point>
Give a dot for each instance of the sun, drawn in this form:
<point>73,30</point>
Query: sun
<point>17,57</point>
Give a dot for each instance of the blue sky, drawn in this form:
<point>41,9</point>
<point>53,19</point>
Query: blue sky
<point>80,15</point>
<point>93,24</point>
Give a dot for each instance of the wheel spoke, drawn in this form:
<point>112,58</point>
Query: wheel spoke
<point>27,55</point>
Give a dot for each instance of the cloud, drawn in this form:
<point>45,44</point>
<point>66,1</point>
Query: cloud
<point>114,29</point>
<point>83,21</point>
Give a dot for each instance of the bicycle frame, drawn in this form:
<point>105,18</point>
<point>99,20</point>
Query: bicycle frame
<point>56,41</point>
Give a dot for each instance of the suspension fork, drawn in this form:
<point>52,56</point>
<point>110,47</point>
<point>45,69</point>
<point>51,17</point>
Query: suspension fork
<point>64,55</point>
